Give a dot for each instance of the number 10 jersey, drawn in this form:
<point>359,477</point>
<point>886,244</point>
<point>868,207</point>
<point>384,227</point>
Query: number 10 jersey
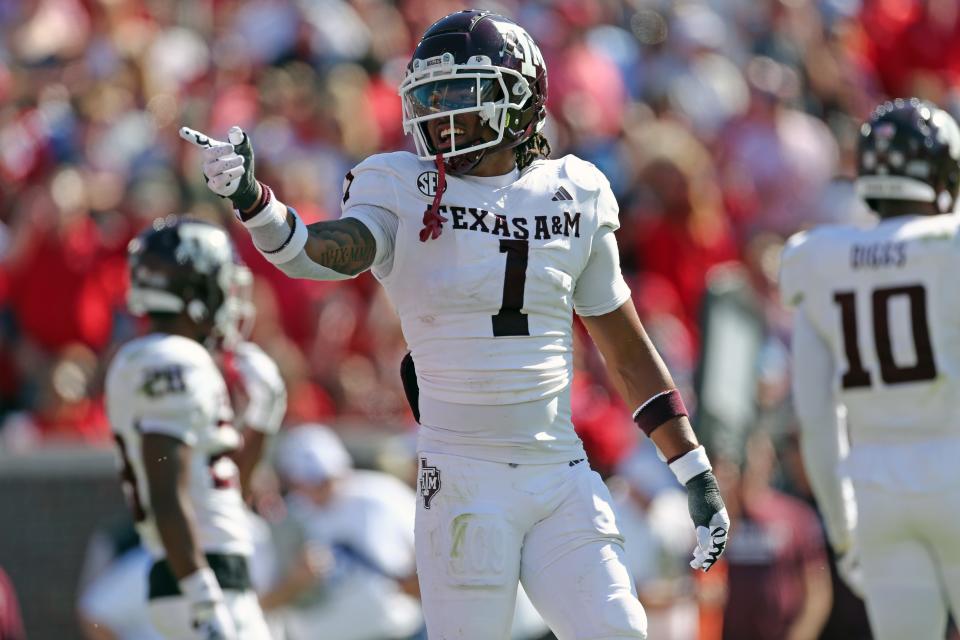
<point>887,302</point>
<point>486,308</point>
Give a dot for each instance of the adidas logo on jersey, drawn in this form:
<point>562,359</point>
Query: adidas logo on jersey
<point>561,194</point>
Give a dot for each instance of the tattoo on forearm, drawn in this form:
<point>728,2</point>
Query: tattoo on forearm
<point>344,245</point>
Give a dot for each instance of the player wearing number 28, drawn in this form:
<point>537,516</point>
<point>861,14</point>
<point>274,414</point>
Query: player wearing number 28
<point>876,347</point>
<point>486,247</point>
<point>183,457</point>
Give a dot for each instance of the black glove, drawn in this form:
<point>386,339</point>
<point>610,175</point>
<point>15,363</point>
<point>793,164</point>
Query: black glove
<point>710,517</point>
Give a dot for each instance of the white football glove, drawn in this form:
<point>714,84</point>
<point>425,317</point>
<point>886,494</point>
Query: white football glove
<point>850,570</point>
<point>209,616</point>
<point>227,166</point>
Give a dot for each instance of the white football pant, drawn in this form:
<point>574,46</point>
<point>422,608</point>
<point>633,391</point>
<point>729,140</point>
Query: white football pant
<point>549,526</point>
<point>171,616</point>
<point>910,546</point>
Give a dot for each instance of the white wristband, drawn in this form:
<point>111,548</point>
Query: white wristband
<point>274,213</point>
<point>690,465</point>
<point>201,586</point>
<point>294,244</point>
<point>272,236</point>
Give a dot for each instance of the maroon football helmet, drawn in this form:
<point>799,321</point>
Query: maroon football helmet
<point>474,62</point>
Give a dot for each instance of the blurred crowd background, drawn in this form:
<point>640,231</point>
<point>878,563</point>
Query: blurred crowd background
<point>723,126</point>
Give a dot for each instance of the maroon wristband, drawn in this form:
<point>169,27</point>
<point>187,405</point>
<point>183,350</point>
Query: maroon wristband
<point>658,409</point>
<point>266,195</point>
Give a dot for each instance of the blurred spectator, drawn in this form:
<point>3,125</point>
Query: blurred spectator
<point>681,213</point>
<point>11,626</point>
<point>775,159</point>
<point>66,407</point>
<point>81,270</point>
<point>112,596</point>
<point>778,578</point>
<point>653,518</point>
<point>349,570</point>
<point>914,46</point>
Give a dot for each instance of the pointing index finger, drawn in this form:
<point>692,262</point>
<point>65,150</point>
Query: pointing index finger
<point>197,139</point>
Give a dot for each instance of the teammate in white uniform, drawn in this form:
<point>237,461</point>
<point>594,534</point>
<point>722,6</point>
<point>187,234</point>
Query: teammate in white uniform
<point>170,412</point>
<point>485,247</point>
<point>876,348</point>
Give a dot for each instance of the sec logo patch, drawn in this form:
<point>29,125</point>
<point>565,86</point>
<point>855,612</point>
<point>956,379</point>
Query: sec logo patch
<point>427,183</point>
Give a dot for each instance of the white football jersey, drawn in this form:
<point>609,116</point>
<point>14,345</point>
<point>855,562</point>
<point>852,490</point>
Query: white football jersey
<point>486,308</point>
<point>170,385</point>
<point>265,390</point>
<point>886,302</point>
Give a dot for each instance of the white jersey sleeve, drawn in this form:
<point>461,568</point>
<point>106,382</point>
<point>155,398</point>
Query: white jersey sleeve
<point>370,196</point>
<point>382,225</point>
<point>608,210</point>
<point>823,436</point>
<point>265,389</point>
<point>601,288</point>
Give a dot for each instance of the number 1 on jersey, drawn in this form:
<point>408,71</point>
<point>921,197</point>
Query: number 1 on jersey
<point>509,321</point>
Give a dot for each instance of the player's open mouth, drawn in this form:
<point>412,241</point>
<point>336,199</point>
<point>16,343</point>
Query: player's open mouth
<point>446,135</point>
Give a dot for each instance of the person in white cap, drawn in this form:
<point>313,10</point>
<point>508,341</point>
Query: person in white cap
<point>352,575</point>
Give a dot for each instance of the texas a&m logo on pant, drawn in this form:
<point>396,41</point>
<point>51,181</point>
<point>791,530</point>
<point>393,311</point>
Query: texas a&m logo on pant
<point>429,482</point>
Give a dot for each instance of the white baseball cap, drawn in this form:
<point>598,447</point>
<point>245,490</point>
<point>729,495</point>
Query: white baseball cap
<point>310,454</point>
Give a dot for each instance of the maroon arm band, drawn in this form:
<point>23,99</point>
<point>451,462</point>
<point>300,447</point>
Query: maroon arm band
<point>658,409</point>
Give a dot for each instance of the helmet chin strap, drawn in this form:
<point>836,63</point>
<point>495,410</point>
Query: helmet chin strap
<point>458,165</point>
<point>432,220</point>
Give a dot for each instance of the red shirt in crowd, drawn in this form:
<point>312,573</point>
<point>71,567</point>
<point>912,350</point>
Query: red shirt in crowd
<point>668,249</point>
<point>776,538</point>
<point>909,39</point>
<point>66,285</point>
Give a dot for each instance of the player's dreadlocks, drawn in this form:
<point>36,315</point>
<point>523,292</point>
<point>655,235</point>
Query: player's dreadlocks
<point>535,147</point>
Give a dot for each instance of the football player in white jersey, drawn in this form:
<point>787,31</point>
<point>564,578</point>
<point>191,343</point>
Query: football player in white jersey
<point>485,247</point>
<point>876,348</point>
<point>170,411</point>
